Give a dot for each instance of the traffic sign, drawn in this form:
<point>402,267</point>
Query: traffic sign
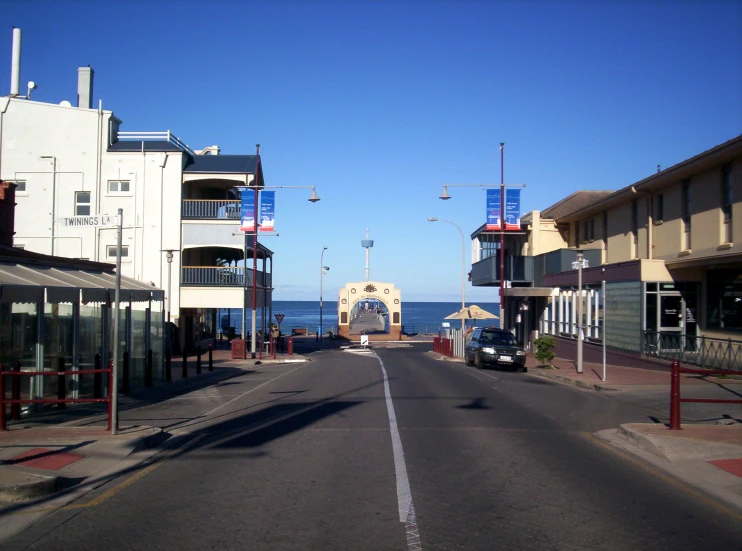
<point>364,340</point>
<point>279,318</point>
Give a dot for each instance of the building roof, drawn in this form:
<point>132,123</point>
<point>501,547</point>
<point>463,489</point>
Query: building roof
<point>32,277</point>
<point>574,202</point>
<point>143,145</point>
<point>715,156</point>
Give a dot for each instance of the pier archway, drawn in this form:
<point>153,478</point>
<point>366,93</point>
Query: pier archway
<point>353,293</point>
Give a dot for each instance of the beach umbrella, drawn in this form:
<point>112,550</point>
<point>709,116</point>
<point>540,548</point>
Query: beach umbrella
<point>472,312</point>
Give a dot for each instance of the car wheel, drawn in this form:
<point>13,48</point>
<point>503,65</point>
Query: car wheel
<point>519,368</point>
<point>469,361</point>
<point>478,362</point>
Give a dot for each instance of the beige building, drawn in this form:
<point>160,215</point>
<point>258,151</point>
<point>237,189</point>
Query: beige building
<point>667,248</point>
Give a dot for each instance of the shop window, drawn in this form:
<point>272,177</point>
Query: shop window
<point>724,306</point>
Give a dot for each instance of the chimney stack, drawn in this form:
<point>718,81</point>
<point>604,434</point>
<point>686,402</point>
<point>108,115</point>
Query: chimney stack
<point>85,87</point>
<point>15,67</point>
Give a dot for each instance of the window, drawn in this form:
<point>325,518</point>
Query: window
<point>577,234</point>
<point>20,187</point>
<point>111,251</point>
<point>591,233</point>
<point>585,230</point>
<point>635,226</point>
<point>724,301</point>
<point>727,199</point>
<point>82,203</point>
<point>118,187</point>
<point>686,214</point>
<point>605,233</point>
<point>660,208</point>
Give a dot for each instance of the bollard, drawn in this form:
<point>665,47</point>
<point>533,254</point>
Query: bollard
<point>2,399</point>
<point>110,397</point>
<point>675,396</point>
<point>125,387</point>
<point>273,347</point>
<point>168,366</point>
<point>291,346</point>
<point>211,358</point>
<point>184,372</point>
<point>97,379</point>
<point>148,369</point>
<point>198,360</point>
<point>61,386</point>
<point>15,393</point>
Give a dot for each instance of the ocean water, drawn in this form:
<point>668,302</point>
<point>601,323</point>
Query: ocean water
<point>420,317</point>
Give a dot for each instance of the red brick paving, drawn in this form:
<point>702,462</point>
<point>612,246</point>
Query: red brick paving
<point>45,458</point>
<point>733,466</point>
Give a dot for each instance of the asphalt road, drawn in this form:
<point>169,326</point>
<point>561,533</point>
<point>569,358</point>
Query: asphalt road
<point>484,460</point>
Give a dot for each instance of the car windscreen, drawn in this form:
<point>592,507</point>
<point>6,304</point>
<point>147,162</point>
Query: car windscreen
<point>498,339</point>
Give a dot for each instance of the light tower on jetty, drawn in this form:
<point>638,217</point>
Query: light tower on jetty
<point>367,244</point>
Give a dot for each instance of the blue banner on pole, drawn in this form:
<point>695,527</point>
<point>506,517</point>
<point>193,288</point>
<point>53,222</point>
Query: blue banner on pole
<point>267,210</point>
<point>247,210</point>
<point>512,209</point>
<point>493,210</point>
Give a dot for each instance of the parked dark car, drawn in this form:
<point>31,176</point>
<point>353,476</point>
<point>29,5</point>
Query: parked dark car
<point>490,346</point>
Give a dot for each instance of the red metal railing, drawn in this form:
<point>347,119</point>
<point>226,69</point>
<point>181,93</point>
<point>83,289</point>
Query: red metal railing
<point>675,398</point>
<point>444,346</point>
<point>16,399</point>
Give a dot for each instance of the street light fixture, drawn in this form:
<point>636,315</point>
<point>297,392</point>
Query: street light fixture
<point>463,262</point>
<point>445,196</point>
<point>322,270</point>
<point>313,198</point>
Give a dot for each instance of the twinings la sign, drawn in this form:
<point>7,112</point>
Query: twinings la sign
<point>98,220</point>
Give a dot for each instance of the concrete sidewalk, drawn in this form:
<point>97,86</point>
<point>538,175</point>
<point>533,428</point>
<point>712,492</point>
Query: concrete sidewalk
<point>56,450</point>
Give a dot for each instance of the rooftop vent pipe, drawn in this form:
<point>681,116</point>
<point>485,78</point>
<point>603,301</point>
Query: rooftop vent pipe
<point>15,67</point>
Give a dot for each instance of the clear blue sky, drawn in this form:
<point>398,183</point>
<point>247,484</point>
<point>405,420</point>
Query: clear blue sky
<point>379,103</point>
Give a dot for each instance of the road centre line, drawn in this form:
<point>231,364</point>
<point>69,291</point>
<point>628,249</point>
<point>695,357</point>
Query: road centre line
<point>404,493</point>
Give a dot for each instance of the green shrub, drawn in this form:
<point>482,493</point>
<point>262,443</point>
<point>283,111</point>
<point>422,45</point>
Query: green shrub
<point>544,345</point>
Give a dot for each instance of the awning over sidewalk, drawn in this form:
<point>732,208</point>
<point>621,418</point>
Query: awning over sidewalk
<point>35,283</point>
<point>532,292</point>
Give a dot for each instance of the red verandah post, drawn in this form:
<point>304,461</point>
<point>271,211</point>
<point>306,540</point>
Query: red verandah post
<point>110,396</point>
<point>2,398</point>
<point>675,396</point>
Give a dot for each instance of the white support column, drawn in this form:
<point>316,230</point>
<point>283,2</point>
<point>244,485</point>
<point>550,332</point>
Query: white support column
<point>560,323</point>
<point>37,383</point>
<point>596,321</point>
<point>573,313</point>
<point>75,387</point>
<point>588,304</point>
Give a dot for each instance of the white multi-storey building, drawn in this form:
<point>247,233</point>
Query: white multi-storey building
<point>180,207</point>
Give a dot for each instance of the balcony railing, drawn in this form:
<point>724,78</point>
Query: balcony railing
<point>517,268</point>
<point>695,350</point>
<point>211,209</point>
<point>221,276</point>
<point>166,136</point>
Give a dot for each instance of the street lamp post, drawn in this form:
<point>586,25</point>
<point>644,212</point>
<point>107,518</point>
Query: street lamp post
<point>463,266</point>
<point>322,269</point>
<point>312,199</point>
<point>445,196</point>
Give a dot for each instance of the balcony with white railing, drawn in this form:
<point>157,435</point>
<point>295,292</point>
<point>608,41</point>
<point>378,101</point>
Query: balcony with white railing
<point>222,276</point>
<point>211,209</point>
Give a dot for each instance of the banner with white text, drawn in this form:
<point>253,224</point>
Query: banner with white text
<point>267,210</point>
<point>493,210</point>
<point>247,210</point>
<point>512,209</point>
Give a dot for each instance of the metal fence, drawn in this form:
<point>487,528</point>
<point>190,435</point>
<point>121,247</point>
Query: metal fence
<point>702,351</point>
<point>215,209</point>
